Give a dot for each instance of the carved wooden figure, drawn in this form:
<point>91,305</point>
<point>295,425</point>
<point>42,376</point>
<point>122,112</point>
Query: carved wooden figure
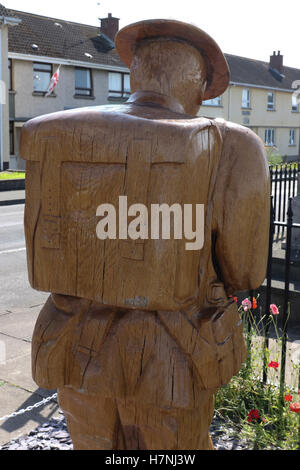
<point>138,335</point>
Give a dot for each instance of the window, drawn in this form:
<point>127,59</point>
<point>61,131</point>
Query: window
<point>269,137</point>
<point>42,74</point>
<point>10,85</point>
<point>295,105</point>
<point>83,82</point>
<point>271,101</point>
<point>11,138</point>
<point>246,98</point>
<point>292,140</point>
<point>119,85</point>
<point>214,102</point>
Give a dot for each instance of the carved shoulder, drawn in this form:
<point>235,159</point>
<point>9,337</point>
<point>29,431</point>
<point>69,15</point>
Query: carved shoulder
<point>245,149</point>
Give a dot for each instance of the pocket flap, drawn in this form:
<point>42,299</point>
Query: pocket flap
<point>224,323</point>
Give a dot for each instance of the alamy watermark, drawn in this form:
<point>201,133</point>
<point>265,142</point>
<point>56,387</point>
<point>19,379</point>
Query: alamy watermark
<point>156,225</point>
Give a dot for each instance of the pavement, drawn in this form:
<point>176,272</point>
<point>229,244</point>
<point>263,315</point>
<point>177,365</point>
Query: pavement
<point>8,198</point>
<point>19,308</point>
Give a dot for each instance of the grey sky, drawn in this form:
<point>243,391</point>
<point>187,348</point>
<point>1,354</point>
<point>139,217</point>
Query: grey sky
<point>251,29</point>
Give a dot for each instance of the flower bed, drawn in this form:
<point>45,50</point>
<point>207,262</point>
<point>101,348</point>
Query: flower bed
<point>266,414</point>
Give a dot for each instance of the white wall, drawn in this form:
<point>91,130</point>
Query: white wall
<point>28,105</point>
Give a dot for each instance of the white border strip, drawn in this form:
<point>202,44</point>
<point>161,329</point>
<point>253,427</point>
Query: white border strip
<point>17,250</point>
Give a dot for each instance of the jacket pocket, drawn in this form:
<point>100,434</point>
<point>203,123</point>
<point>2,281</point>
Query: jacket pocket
<point>227,330</point>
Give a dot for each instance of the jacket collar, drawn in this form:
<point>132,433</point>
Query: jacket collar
<point>151,98</point>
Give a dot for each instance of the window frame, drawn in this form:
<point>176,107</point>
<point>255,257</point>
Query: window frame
<point>214,102</point>
<point>41,92</point>
<point>292,142</point>
<point>272,133</point>
<point>295,108</point>
<point>124,94</point>
<point>90,90</point>
<point>271,106</point>
<point>248,104</point>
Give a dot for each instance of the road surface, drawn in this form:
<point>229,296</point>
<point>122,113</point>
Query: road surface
<point>15,291</point>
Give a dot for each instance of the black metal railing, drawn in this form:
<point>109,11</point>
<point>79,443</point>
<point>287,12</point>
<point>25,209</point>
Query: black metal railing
<point>264,313</point>
<point>284,185</point>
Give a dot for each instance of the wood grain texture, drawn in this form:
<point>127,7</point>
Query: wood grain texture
<point>138,335</point>
<point>127,425</point>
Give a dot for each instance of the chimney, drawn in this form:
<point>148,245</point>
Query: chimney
<point>109,26</point>
<point>276,62</point>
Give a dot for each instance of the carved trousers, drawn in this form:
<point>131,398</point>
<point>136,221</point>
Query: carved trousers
<point>134,379</point>
<point>97,423</point>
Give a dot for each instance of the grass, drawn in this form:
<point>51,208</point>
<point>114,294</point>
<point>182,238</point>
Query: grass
<point>275,425</point>
<point>7,175</point>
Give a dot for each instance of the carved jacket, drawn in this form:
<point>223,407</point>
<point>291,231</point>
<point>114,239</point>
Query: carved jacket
<point>79,159</point>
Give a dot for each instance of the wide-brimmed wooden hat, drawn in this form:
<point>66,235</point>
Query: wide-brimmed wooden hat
<point>217,68</point>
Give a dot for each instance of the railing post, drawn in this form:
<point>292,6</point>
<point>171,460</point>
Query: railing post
<point>286,305</point>
<point>269,287</point>
<point>249,332</point>
<point>276,195</point>
<point>285,197</point>
<point>280,218</point>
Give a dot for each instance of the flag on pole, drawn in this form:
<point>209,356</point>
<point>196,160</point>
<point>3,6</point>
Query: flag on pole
<point>53,82</point>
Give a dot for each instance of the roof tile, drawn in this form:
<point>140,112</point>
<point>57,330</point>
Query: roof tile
<point>256,72</point>
<point>5,12</point>
<point>61,39</point>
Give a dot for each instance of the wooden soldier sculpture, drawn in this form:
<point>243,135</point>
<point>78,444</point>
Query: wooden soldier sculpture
<point>139,333</point>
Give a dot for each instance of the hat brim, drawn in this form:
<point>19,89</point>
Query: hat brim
<point>218,75</point>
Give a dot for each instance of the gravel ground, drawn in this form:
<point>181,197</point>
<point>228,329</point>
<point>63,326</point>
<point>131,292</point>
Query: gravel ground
<point>54,436</point>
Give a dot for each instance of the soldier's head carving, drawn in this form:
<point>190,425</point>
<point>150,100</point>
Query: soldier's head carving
<point>163,65</point>
<point>174,59</point>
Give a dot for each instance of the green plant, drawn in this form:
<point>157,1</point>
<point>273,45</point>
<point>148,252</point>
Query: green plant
<point>273,156</point>
<point>258,412</point>
<point>7,175</point>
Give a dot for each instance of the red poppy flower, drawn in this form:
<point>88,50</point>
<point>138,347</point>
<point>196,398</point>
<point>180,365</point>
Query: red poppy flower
<point>295,407</point>
<point>288,398</point>
<point>254,303</point>
<point>273,365</point>
<point>253,414</point>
